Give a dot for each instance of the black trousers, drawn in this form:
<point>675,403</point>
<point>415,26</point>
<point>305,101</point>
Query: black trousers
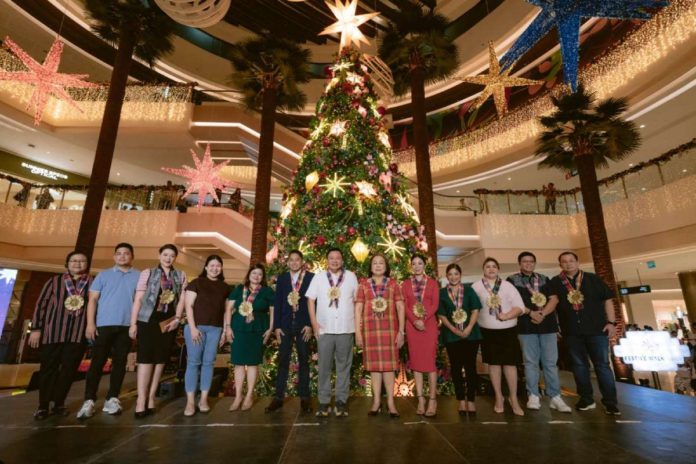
<point>112,340</point>
<point>293,334</point>
<point>59,362</point>
<point>462,354</point>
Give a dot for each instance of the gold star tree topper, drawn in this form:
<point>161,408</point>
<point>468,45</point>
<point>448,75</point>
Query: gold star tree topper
<point>348,23</point>
<point>496,82</point>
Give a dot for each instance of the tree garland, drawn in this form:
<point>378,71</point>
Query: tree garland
<point>665,157</point>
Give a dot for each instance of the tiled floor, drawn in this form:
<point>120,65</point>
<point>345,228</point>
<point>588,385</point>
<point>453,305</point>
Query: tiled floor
<point>656,427</point>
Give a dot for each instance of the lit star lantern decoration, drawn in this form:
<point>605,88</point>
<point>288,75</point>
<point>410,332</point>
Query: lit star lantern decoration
<point>565,17</point>
<point>403,387</point>
<point>495,82</point>
<point>204,178</point>
<point>335,185</point>
<point>338,128</point>
<point>347,23</point>
<point>44,77</point>
<point>391,246</point>
<point>366,189</point>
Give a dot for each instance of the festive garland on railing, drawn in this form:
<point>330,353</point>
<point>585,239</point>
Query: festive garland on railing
<point>84,187</point>
<point>681,149</point>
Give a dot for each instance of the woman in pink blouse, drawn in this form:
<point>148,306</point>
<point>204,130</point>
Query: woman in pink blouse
<point>421,297</point>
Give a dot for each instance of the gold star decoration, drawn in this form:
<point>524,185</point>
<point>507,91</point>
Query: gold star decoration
<point>391,246</point>
<point>402,385</point>
<point>286,210</point>
<point>408,207</point>
<point>341,66</point>
<point>347,23</point>
<point>495,83</point>
<point>335,185</point>
<point>338,128</point>
<point>366,189</point>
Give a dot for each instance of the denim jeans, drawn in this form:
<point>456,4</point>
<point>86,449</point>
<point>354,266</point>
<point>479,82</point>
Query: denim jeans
<point>201,357</point>
<point>582,349</point>
<point>541,348</point>
<point>293,334</point>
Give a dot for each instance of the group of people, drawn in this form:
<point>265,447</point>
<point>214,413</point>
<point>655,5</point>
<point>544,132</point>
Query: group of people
<point>512,321</point>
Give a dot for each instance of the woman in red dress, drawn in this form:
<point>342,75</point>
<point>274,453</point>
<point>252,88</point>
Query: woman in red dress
<point>379,324</point>
<point>421,299</point>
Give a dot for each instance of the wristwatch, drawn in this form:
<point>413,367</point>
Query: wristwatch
<point>612,323</point>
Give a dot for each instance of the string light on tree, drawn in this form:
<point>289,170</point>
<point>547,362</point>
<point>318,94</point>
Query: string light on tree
<point>495,83</point>
<point>45,77</point>
<point>204,178</point>
<point>348,23</point>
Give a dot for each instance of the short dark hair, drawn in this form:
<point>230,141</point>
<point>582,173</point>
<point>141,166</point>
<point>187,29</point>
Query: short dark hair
<point>490,260</point>
<point>387,271</point>
<point>419,256</point>
<point>263,279</point>
<point>296,252</point>
<point>125,245</point>
<point>331,250</point>
<point>76,252</point>
<point>524,254</point>
<point>169,246</point>
<point>571,253</point>
<point>453,266</point>
<point>210,258</point>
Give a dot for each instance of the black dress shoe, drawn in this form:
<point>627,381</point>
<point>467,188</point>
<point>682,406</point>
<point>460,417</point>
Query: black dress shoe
<point>394,415</point>
<point>150,411</point>
<point>305,405</point>
<point>276,404</point>
<point>61,411</point>
<point>374,412</point>
<point>463,412</point>
<point>40,414</point>
<point>141,414</point>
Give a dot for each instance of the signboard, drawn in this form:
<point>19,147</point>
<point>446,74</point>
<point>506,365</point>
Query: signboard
<point>651,264</point>
<point>652,351</point>
<point>632,290</point>
<point>7,281</point>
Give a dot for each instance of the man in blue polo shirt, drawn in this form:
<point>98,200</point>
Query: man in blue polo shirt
<point>108,320</point>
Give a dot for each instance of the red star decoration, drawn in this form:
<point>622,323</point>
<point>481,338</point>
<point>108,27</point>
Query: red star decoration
<point>205,178</point>
<point>45,77</point>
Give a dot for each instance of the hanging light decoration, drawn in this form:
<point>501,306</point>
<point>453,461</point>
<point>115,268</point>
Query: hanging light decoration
<point>311,180</point>
<point>195,13</point>
<point>360,250</point>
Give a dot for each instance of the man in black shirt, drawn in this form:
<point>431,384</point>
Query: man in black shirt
<point>538,333</point>
<point>586,313</point>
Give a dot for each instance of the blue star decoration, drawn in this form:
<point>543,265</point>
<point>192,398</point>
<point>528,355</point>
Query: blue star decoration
<point>565,16</point>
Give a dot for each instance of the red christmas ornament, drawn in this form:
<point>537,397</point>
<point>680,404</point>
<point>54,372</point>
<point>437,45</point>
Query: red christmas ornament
<point>347,87</point>
<point>351,231</point>
<point>320,240</point>
<point>341,238</point>
<point>326,142</point>
<point>382,111</point>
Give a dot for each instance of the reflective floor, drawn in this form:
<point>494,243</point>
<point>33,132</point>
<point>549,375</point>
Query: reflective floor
<point>655,427</point>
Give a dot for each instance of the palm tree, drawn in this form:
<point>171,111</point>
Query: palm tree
<point>134,28</point>
<point>268,71</point>
<point>583,135</point>
<point>418,50</point>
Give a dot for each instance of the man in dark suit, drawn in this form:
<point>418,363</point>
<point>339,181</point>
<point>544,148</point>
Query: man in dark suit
<point>291,323</point>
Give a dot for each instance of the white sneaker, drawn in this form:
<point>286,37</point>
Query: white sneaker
<point>558,404</point>
<point>112,406</point>
<point>533,403</point>
<point>87,410</point>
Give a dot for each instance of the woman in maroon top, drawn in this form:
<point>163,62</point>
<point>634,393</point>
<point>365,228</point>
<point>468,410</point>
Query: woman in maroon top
<point>422,298</point>
<point>58,330</point>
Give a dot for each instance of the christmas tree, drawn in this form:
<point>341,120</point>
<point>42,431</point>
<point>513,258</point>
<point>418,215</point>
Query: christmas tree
<point>347,192</point>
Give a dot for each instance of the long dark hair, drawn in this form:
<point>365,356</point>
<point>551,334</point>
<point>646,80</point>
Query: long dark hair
<point>263,279</point>
<point>210,258</point>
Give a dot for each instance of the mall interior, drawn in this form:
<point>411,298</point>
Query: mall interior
<point>489,197</point>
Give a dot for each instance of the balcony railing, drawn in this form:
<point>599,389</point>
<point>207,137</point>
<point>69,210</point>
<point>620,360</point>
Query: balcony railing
<point>673,165</point>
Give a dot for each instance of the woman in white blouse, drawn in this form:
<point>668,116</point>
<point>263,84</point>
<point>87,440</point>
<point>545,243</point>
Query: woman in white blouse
<point>502,304</point>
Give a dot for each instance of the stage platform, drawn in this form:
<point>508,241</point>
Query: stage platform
<point>656,427</point>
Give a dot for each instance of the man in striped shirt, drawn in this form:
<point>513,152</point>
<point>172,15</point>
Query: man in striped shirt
<point>58,330</point>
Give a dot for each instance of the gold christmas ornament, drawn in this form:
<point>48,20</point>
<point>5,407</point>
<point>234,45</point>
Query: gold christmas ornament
<point>359,250</point>
<point>311,180</point>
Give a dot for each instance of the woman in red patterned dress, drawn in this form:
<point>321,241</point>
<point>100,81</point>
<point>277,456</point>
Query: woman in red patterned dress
<point>421,299</point>
<point>379,324</point>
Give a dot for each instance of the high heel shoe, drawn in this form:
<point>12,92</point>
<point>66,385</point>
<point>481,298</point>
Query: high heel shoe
<point>374,412</point>
<point>247,404</point>
<point>518,411</point>
<point>420,410</point>
<point>141,414</point>
<point>394,415</point>
<point>432,411</point>
<point>235,405</point>
<point>500,409</point>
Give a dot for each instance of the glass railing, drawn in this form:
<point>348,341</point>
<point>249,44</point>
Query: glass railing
<point>669,167</point>
<point>130,198</point>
